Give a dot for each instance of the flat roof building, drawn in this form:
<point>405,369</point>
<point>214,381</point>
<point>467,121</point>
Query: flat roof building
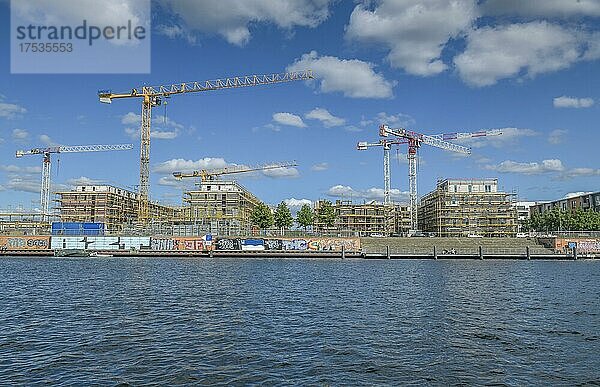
<point>585,201</point>
<point>366,219</point>
<point>218,207</point>
<point>468,207</point>
<point>115,207</point>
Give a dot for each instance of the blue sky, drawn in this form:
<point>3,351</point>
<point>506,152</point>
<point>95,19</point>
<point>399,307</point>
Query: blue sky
<point>528,68</point>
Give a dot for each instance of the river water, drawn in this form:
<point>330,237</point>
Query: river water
<point>301,322</point>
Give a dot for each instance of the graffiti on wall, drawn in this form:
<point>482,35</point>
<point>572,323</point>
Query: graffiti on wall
<point>24,243</point>
<point>583,245</point>
<point>295,244</point>
<point>181,244</point>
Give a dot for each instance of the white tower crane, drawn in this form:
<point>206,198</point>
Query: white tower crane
<point>46,164</point>
<point>415,140</point>
<point>387,145</point>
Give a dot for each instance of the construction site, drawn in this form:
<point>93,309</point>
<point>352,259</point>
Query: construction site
<point>220,206</point>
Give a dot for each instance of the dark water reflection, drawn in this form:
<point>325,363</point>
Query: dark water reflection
<point>302,322</point>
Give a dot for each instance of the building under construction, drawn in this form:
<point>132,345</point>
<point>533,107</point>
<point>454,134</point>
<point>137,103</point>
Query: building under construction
<point>117,208</point>
<point>366,219</point>
<point>218,207</point>
<point>468,207</point>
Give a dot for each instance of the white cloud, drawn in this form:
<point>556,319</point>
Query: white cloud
<point>281,172</point>
<point>509,136</point>
<point>297,203</point>
<point>572,102</point>
<point>182,165</point>
<point>327,119</point>
<point>347,192</point>
<point>400,119</point>
<point>538,47</point>
<point>232,19</point>
<point>23,184</point>
<point>163,128</point>
<point>533,168</point>
<point>576,172</point>
<point>414,31</point>
<point>352,77</point>
<point>289,119</point>
<point>15,169</point>
<point>46,140</point>
<point>9,110</point>
<point>175,31</point>
<point>546,8</point>
<point>83,180</point>
<point>131,119</point>
<point>20,134</point>
<point>556,136</point>
<point>320,167</point>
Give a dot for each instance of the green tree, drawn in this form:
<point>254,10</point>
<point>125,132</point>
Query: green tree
<point>283,216</point>
<point>305,216</point>
<point>261,216</point>
<point>326,213</point>
<point>565,220</point>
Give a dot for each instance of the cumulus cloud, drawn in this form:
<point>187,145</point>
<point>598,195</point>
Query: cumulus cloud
<point>320,167</point>
<point>294,203</point>
<point>352,77</point>
<point>182,165</point>
<point>347,192</point>
<point>327,119</point>
<point>497,52</point>
<point>46,140</point>
<point>289,119</point>
<point>556,136</point>
<point>9,110</point>
<point>544,8</point>
<point>20,134</point>
<point>414,31</point>
<point>572,102</point>
<point>163,128</point>
<point>281,172</point>
<point>231,19</point>
<point>509,136</point>
<point>533,168</point>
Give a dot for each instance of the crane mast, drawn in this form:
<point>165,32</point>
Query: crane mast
<point>415,140</point>
<point>47,163</point>
<point>152,96</point>
<point>387,180</point>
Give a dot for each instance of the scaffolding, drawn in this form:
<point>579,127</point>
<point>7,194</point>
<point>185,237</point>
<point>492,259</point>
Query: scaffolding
<point>468,207</point>
<point>366,219</point>
<point>219,207</point>
<point>113,206</point>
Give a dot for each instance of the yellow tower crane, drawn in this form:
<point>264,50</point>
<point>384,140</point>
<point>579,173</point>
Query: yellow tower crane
<point>152,96</point>
<point>213,174</point>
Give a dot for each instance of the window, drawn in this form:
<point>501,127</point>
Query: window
<point>470,188</point>
<point>488,188</point>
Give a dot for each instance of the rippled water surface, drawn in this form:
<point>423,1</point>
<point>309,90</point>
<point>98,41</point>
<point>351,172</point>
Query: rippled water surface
<point>302,322</point>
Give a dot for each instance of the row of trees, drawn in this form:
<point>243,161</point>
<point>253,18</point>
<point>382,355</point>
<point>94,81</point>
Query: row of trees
<point>556,219</point>
<point>262,216</point>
